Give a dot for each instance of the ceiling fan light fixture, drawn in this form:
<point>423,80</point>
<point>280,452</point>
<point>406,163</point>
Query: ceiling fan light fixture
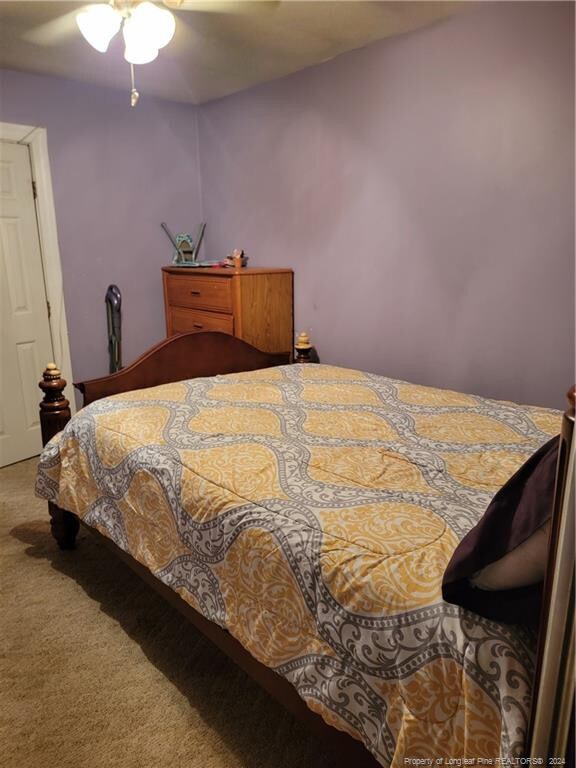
<point>154,26</point>
<point>139,49</point>
<point>98,25</point>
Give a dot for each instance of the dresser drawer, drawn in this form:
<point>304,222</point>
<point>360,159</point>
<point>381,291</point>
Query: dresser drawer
<point>201,292</point>
<point>185,320</point>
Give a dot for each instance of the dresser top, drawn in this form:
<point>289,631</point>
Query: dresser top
<point>224,271</point>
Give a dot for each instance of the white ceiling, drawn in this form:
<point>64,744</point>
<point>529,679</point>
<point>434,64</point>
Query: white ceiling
<point>218,48</point>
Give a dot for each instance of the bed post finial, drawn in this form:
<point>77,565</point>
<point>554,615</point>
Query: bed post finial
<point>303,348</point>
<point>54,408</point>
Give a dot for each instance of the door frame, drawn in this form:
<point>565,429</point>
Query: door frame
<point>36,139</point>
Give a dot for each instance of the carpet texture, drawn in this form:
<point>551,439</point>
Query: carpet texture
<point>96,671</point>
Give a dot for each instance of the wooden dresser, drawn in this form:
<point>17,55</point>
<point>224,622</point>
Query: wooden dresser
<point>255,305</point>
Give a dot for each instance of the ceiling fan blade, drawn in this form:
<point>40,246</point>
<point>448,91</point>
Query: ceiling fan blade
<point>55,31</point>
<point>223,6</point>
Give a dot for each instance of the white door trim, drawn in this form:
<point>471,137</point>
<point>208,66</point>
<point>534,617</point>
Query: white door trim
<point>36,140</point>
<point>16,133</point>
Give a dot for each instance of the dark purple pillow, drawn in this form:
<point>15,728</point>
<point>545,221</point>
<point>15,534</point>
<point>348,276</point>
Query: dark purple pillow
<point>521,507</point>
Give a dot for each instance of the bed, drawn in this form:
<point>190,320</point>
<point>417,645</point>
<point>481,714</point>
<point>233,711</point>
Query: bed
<point>302,517</point>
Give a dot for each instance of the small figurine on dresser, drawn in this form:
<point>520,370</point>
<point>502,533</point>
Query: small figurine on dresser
<point>236,259</point>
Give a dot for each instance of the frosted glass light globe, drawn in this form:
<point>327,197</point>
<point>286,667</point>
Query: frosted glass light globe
<point>98,24</point>
<point>139,50</point>
<point>155,25</point>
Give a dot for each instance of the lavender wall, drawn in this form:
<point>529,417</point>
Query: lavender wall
<point>423,191</point>
<point>421,188</point>
<point>117,173</point>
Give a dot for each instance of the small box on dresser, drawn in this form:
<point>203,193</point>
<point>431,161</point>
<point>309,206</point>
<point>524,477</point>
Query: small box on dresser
<point>253,304</point>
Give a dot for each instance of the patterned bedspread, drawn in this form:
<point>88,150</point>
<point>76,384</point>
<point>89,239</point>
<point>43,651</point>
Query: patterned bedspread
<point>311,511</point>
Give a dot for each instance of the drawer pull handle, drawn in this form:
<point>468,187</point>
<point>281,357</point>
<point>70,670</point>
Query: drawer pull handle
<point>195,293</point>
<point>197,325</point>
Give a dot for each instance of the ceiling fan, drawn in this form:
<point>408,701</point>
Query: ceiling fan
<point>146,26</point>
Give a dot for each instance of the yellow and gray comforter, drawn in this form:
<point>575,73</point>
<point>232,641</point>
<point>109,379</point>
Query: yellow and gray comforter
<point>311,511</point>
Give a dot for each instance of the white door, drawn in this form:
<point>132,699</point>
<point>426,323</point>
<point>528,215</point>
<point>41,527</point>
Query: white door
<point>25,342</point>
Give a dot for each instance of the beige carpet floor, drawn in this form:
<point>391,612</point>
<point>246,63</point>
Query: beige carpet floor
<point>96,671</point>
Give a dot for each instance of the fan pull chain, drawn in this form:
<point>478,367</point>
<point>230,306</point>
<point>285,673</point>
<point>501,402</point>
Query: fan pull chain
<point>134,95</point>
